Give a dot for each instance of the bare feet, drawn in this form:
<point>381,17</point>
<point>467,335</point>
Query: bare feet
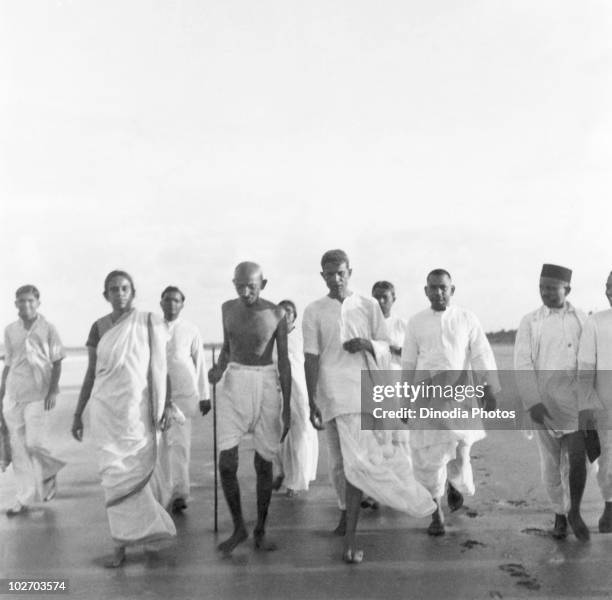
<point>369,502</point>
<point>436,527</point>
<point>454,498</point>
<point>230,543</point>
<point>352,556</point>
<point>581,531</point>
<point>605,521</point>
<point>559,531</point>
<point>261,543</point>
<point>17,509</point>
<point>179,505</point>
<point>291,493</point>
<point>341,528</point>
<point>116,560</point>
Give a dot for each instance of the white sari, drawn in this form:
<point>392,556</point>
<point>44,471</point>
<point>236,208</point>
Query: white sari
<point>300,452</point>
<point>126,404</point>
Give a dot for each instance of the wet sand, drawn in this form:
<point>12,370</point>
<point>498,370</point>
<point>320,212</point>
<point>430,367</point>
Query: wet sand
<point>497,545</point>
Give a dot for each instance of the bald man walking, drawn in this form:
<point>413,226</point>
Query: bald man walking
<point>250,401</point>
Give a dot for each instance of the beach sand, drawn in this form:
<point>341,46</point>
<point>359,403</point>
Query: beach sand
<point>497,545</point>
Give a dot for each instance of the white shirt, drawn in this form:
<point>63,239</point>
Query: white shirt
<point>396,330</point>
<point>326,325</point>
<point>447,340</point>
<point>546,353</point>
<point>186,365</point>
<point>595,361</point>
<point>30,354</point>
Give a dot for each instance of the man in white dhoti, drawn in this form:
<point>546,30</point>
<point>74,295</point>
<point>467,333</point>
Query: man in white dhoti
<point>29,388</point>
<point>250,399</point>
<point>344,333</point>
<point>299,454</point>
<point>595,376</point>
<point>546,358</point>
<point>187,373</point>
<point>125,389</point>
<point>438,339</point>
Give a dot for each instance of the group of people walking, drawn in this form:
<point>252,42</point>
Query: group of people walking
<point>147,378</point>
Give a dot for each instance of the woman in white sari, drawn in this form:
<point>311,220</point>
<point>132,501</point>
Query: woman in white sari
<point>126,383</point>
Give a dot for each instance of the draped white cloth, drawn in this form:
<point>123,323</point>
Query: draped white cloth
<point>126,404</point>
<point>368,459</point>
<point>300,451</point>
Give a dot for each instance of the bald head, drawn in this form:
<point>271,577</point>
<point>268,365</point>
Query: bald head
<point>247,270</point>
<point>248,281</point>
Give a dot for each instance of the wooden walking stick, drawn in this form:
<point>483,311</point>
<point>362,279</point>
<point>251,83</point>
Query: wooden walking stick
<point>214,409</point>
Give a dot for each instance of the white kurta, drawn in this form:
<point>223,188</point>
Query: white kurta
<point>367,458</point>
<point>595,376</point>
<point>438,341</point>
<point>30,354</point>
<point>188,384</point>
<point>546,358</point>
<point>396,330</point>
<point>545,352</point>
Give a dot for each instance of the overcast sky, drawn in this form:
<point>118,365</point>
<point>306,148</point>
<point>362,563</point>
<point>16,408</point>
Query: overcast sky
<point>175,138</point>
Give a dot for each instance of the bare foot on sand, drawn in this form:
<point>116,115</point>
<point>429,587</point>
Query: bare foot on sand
<point>261,543</point>
<point>436,527</point>
<point>116,560</point>
<point>352,556</point>
<point>605,521</point>
<point>581,531</point>
<point>559,531</point>
<point>236,538</point>
<point>454,498</point>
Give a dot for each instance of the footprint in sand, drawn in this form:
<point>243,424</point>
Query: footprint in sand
<point>471,513</point>
<point>518,570</point>
<point>495,595</point>
<point>517,502</point>
<point>536,531</point>
<point>469,544</point>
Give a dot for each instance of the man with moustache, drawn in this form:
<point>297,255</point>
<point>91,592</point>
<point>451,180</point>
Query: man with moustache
<point>446,338</point>
<point>250,400</point>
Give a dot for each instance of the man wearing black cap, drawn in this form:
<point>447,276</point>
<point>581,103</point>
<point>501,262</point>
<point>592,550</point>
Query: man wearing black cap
<point>546,356</point>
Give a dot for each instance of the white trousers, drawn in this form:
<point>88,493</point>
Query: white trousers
<point>554,465</point>
<point>179,451</point>
<point>435,464</point>
<point>604,474</point>
<point>33,462</point>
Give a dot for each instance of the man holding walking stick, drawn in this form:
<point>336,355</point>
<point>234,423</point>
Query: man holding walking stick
<point>250,401</point>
